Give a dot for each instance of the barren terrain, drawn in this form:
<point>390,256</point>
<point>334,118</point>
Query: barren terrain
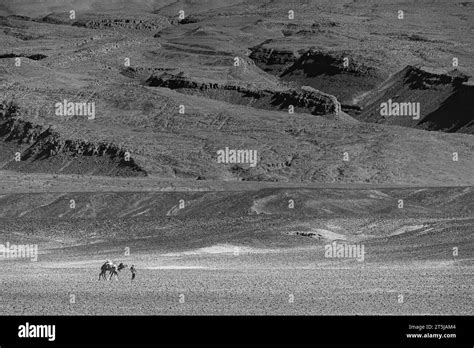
<point>242,252</point>
<point>140,182</point>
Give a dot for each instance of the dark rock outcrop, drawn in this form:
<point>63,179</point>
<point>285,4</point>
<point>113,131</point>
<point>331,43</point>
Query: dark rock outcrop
<point>307,99</point>
<point>46,143</point>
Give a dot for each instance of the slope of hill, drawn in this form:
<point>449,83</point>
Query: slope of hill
<point>105,56</point>
<point>445,99</point>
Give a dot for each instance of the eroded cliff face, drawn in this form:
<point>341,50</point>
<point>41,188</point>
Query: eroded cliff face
<point>273,61</point>
<point>147,22</point>
<point>335,73</point>
<point>134,23</point>
<point>445,99</point>
<point>308,100</point>
<point>73,156</point>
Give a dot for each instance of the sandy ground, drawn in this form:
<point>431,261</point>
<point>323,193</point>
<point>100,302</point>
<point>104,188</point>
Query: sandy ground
<point>242,253</point>
<point>228,284</point>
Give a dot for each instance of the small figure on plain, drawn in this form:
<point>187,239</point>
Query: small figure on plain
<point>134,271</point>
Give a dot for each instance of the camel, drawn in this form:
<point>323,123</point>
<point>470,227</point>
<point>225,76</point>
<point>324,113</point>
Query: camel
<point>112,268</point>
<point>107,266</point>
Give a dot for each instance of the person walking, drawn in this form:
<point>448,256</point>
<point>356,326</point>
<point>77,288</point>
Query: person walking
<point>134,271</point>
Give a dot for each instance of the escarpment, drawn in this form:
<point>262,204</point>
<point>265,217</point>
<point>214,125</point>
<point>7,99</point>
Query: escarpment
<point>307,100</point>
<point>38,148</point>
